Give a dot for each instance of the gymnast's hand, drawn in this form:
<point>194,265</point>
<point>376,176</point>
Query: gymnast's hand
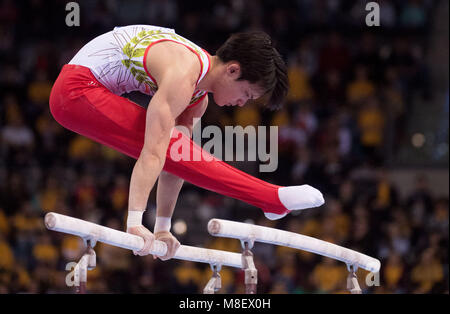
<point>148,237</point>
<point>172,244</point>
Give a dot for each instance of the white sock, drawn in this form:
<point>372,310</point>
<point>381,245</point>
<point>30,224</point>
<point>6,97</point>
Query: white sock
<point>296,198</point>
<point>300,197</point>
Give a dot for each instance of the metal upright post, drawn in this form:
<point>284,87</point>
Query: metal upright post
<point>87,262</point>
<point>251,273</point>
<point>352,280</point>
<point>215,283</point>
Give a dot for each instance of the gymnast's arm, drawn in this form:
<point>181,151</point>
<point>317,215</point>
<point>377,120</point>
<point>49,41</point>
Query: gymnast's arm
<point>173,71</point>
<point>169,186</point>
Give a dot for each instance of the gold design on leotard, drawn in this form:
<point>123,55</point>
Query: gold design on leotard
<point>133,47</point>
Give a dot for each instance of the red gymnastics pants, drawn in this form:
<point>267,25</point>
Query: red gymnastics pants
<point>83,105</point>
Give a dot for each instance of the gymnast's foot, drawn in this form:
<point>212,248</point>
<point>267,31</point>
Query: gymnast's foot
<point>297,197</point>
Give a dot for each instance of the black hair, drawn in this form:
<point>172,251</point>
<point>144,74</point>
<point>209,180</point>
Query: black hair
<point>260,63</point>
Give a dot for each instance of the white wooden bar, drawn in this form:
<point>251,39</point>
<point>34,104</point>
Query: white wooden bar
<point>243,231</point>
<point>85,229</point>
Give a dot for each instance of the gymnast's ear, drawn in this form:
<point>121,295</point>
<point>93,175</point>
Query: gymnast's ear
<point>234,69</point>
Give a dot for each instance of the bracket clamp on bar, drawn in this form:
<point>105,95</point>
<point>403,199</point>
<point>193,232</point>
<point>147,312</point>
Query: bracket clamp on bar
<point>248,243</point>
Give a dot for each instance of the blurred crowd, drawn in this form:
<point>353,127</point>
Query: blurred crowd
<point>346,110</point>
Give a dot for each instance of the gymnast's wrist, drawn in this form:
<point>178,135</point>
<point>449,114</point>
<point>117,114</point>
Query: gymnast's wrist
<point>134,218</point>
<point>162,224</point>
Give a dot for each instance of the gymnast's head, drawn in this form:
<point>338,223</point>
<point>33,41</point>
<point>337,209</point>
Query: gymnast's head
<point>249,67</point>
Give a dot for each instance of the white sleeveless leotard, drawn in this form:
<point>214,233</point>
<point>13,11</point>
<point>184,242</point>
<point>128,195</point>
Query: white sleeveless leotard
<point>116,58</point>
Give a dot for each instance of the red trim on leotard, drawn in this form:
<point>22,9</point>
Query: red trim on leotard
<point>209,67</point>
<point>209,60</point>
<point>198,101</point>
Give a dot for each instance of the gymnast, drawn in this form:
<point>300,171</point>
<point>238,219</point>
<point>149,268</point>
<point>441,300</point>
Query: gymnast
<point>178,74</point>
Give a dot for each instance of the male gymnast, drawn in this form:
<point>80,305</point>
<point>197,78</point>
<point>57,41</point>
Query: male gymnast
<point>178,74</point>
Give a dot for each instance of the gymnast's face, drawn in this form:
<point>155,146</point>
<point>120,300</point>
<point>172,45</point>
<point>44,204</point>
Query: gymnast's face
<point>229,91</point>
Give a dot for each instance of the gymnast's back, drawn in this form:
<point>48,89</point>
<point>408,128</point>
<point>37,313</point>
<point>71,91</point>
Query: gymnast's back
<point>117,58</point>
